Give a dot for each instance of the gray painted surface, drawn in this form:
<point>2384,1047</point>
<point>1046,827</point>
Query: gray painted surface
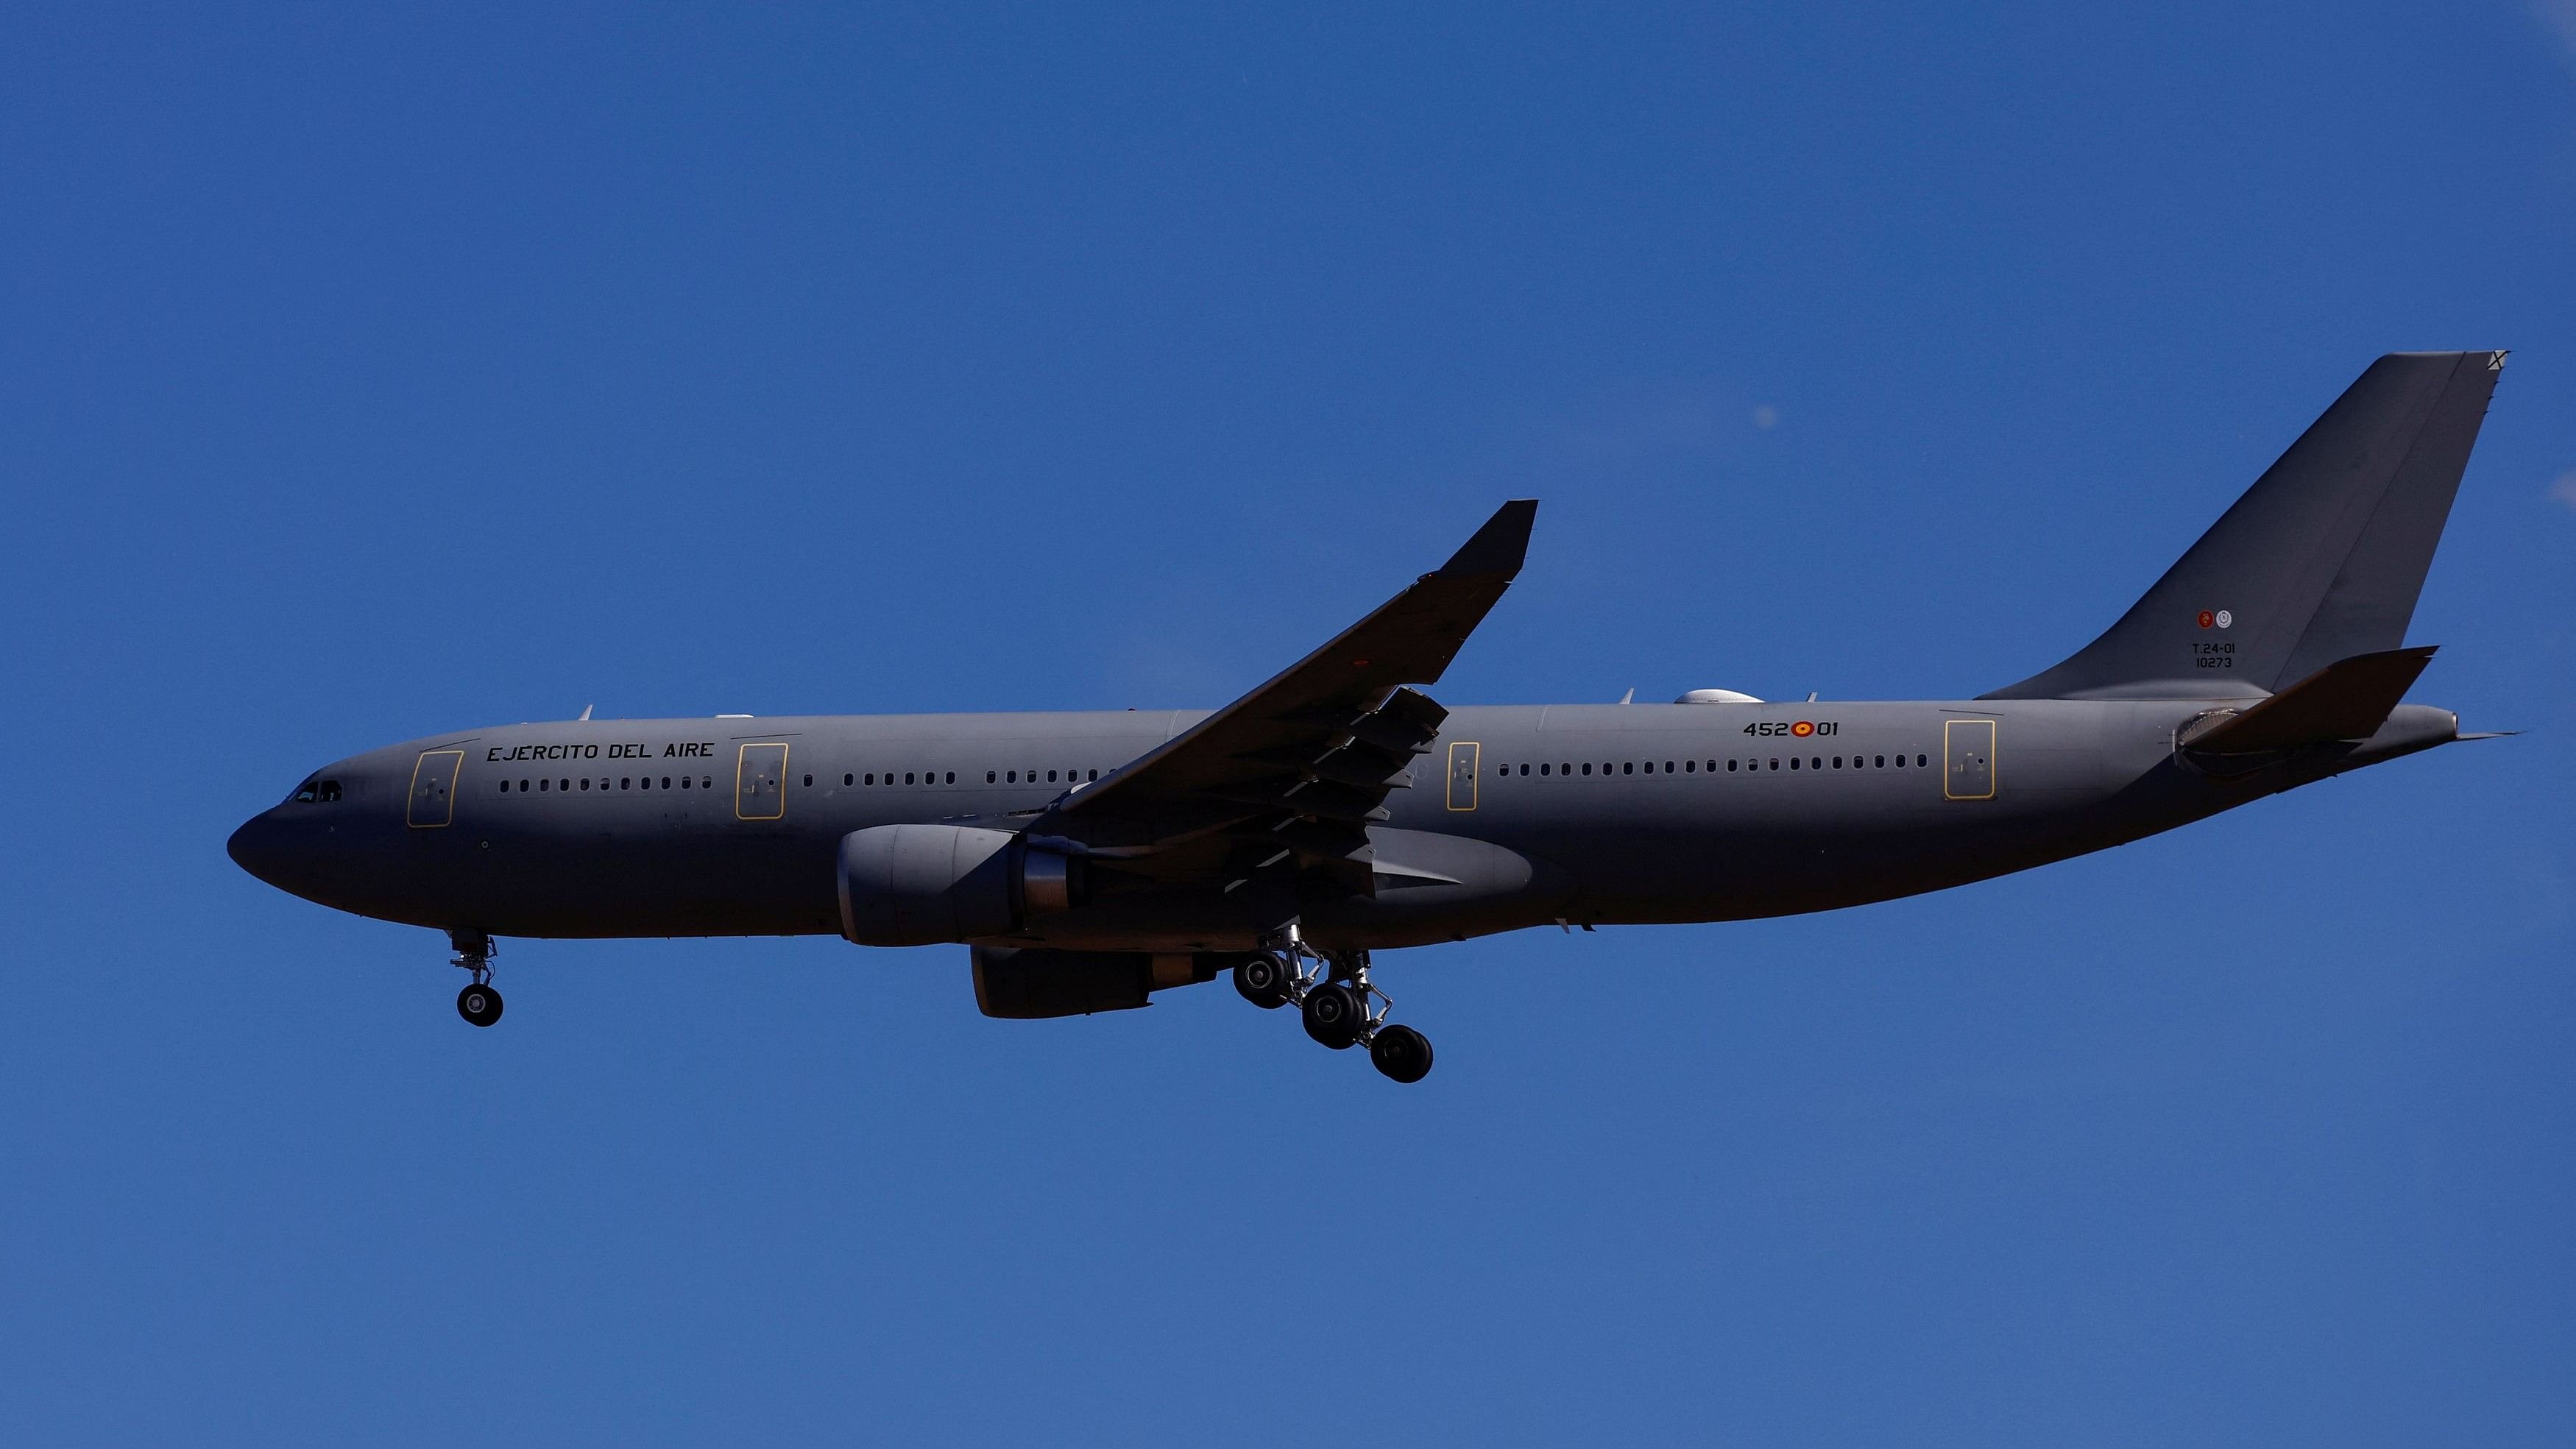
<point>1337,797</point>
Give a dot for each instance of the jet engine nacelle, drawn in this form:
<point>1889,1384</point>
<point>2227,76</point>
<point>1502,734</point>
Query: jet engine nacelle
<point>921,885</point>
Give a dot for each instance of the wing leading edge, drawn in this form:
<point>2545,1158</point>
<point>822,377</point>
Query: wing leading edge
<point>1288,777</point>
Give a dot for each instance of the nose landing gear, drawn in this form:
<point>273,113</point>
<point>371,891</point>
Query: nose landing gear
<point>478,1003</point>
<point>1333,995</point>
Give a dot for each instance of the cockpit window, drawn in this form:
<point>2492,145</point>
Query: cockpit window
<point>330,791</point>
<point>311,791</point>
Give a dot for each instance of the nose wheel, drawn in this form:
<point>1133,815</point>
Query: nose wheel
<point>479,1002</point>
<point>480,1005</point>
<point>1336,1003</point>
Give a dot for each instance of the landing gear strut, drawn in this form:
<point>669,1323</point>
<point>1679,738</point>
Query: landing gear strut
<point>1333,996</point>
<point>478,1003</point>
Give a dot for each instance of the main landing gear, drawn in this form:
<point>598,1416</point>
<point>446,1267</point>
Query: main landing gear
<point>478,1003</point>
<point>1332,994</point>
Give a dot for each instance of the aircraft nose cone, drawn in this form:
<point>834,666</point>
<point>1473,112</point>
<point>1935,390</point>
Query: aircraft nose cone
<point>260,848</point>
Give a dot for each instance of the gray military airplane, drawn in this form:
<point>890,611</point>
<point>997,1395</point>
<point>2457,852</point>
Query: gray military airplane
<point>1088,860</point>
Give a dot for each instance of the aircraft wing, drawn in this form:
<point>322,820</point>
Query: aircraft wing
<point>1290,775</point>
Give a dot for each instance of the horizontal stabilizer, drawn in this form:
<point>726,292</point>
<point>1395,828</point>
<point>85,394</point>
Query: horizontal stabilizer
<point>2347,700</point>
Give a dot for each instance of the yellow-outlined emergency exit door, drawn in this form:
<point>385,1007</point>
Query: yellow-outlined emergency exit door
<point>760,783</point>
<point>1968,753</point>
<point>1465,758</point>
<point>433,789</point>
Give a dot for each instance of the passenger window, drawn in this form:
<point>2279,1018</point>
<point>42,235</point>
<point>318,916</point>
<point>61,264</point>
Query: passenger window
<point>1838,762</point>
<point>1816,762</point>
<point>1050,777</point>
<point>952,777</point>
<point>1524,769</point>
<point>544,784</point>
<point>1881,762</point>
<point>1587,767</point>
<point>907,777</point>
<point>1793,762</point>
<point>1542,769</point>
<point>848,779</point>
<point>1775,762</point>
<point>1690,767</point>
<point>625,782</point>
<point>1090,775</point>
<point>1920,760</point>
<point>1628,769</point>
<point>809,781</point>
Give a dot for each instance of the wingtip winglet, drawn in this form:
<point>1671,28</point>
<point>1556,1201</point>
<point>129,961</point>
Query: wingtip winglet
<point>1500,546</point>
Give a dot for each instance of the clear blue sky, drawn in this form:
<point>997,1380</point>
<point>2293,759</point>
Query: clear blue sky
<point>366,376</point>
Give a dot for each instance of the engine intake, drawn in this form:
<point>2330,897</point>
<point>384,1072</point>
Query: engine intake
<point>921,885</point>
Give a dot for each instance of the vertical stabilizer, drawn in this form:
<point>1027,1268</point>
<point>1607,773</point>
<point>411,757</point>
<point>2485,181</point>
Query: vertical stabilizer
<point>2322,559</point>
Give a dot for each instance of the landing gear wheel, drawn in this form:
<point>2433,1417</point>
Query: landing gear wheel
<point>1265,981</point>
<point>1335,1015</point>
<point>479,1004</point>
<point>1401,1053</point>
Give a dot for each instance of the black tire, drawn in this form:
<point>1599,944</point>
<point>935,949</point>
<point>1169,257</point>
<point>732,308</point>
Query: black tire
<point>480,1005</point>
<point>1264,981</point>
<point>1401,1052</point>
<point>1335,1015</point>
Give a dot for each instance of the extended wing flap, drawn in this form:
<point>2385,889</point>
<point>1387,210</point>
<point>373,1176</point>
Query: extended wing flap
<point>2347,700</point>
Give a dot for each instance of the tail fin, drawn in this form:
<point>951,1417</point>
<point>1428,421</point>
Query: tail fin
<point>2322,558</point>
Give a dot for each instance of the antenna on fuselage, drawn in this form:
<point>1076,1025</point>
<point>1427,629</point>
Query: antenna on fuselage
<point>586,709</point>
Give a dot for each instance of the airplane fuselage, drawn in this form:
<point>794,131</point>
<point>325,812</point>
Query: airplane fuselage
<point>1516,816</point>
<point>1336,809</point>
